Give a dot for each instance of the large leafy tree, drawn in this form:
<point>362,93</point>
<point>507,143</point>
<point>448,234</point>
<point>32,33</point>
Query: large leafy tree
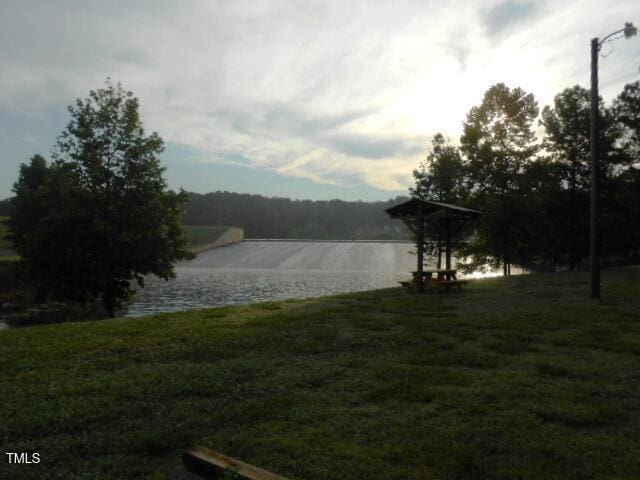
<point>498,141</point>
<point>626,111</point>
<point>566,142</point>
<point>100,217</point>
<point>567,132</point>
<point>540,234</point>
<point>442,176</point>
<point>626,188</point>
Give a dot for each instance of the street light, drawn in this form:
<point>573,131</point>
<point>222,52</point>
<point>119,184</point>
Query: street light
<point>629,31</point>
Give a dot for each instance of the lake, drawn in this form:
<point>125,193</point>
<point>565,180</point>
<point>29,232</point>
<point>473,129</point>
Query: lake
<point>254,271</point>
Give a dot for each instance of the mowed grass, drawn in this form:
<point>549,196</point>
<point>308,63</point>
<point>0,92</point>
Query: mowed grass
<point>519,378</point>
<point>200,235</point>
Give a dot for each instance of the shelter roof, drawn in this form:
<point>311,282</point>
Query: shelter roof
<point>429,208</point>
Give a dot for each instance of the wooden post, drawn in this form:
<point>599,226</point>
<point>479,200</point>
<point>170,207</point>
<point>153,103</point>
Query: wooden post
<point>420,278</point>
<point>447,244</point>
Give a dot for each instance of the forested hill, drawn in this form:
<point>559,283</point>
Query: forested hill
<point>5,207</point>
<point>265,217</point>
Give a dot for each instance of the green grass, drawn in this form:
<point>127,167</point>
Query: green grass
<point>512,378</point>
<point>200,235</point>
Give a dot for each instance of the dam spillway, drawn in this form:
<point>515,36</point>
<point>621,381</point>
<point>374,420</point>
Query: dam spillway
<point>309,255</point>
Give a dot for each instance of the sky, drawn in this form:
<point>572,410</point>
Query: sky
<point>303,99</point>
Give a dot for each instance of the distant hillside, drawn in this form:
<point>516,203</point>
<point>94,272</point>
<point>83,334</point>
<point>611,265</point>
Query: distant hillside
<point>276,217</point>
<point>201,237</point>
<point>265,217</point>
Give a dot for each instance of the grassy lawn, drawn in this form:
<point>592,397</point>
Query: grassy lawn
<point>200,235</point>
<point>512,378</point>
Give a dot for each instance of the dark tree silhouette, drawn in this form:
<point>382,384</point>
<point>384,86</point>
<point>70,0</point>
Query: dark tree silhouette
<point>498,141</point>
<point>100,216</point>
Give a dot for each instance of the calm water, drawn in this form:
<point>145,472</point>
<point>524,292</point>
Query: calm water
<point>257,271</point>
<point>254,271</point>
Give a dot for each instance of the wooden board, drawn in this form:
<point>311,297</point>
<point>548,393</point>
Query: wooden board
<point>210,464</point>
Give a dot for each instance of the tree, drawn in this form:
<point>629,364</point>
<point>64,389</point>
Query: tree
<point>498,141</point>
<point>100,217</point>
<point>539,238</point>
<point>5,207</point>
<point>441,177</point>
<point>567,134</point>
<point>566,141</point>
<point>626,185</point>
<point>626,110</point>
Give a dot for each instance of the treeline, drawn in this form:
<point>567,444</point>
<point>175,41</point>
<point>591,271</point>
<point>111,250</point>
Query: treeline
<point>275,217</point>
<point>5,207</point>
<point>264,217</point>
<point>534,192</point>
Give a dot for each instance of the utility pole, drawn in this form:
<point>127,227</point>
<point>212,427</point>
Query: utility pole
<point>594,254</point>
<point>595,170</point>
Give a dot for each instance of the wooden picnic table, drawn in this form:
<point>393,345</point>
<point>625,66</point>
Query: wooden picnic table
<point>441,274</point>
<point>438,279</point>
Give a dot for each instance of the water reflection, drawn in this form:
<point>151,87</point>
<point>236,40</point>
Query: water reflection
<point>254,271</point>
<point>201,287</point>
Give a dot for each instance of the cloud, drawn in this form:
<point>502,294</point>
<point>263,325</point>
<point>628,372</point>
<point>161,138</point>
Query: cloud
<point>343,93</point>
<point>375,146</point>
<point>508,14</point>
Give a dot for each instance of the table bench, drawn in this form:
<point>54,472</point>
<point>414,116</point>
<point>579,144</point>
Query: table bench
<point>440,279</point>
<point>440,274</point>
<point>447,284</point>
